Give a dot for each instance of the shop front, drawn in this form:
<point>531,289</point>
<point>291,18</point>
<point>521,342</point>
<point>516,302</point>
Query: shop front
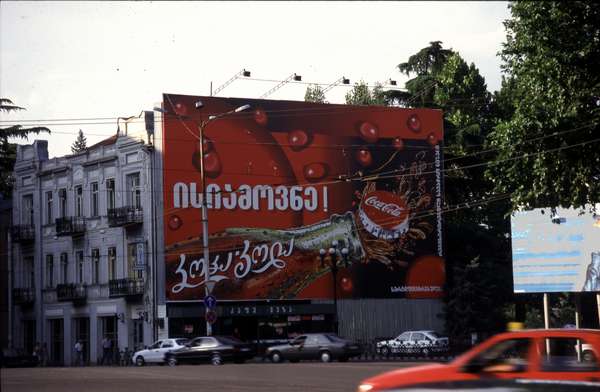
<point>256,321</point>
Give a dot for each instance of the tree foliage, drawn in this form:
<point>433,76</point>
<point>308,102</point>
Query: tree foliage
<point>551,58</point>
<point>477,250</point>
<point>315,93</point>
<point>8,150</point>
<point>80,144</point>
<point>361,94</point>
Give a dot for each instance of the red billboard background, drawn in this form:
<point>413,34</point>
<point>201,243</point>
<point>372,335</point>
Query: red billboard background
<point>285,179</point>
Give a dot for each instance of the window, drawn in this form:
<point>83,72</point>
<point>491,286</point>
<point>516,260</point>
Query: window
<point>94,199</point>
<point>49,207</point>
<point>112,263</point>
<point>134,190</point>
<point>64,268</point>
<point>507,356</point>
<point>49,271</point>
<point>155,345</point>
<point>561,355</point>
<point>135,255</point>
<point>167,344</point>
<point>80,266</point>
<point>110,193</point>
<point>95,265</point>
<point>78,201</point>
<point>62,203</point>
<point>28,277</point>
<point>27,217</point>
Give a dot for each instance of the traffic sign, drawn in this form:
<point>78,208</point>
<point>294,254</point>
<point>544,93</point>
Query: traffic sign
<point>211,316</point>
<point>210,301</point>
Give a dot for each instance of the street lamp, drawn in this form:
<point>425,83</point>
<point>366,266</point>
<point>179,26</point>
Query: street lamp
<point>208,285</point>
<point>333,265</point>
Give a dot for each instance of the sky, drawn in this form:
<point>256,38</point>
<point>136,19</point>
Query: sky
<point>87,63</point>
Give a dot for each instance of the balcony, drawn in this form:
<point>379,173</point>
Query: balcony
<point>70,226</point>
<point>130,288</point>
<point>23,233</point>
<point>23,296</point>
<point>125,216</point>
<point>77,293</point>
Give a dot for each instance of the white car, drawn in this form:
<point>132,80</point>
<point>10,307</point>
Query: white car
<point>414,342</point>
<point>156,352</point>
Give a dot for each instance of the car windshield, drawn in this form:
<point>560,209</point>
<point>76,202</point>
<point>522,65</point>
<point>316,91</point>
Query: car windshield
<point>229,340</point>
<point>181,342</point>
<point>433,334</point>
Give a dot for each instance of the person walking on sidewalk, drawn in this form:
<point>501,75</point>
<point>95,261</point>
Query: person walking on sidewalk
<point>106,351</point>
<point>79,353</point>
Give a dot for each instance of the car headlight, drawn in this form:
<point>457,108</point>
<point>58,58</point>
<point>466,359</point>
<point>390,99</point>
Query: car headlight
<point>365,387</point>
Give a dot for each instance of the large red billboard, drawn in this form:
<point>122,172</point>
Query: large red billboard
<point>286,179</point>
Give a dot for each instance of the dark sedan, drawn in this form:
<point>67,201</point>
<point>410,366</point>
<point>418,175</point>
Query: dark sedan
<point>323,346</point>
<point>213,349</point>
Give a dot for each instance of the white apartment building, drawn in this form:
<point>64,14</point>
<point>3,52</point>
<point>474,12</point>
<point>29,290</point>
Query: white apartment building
<point>83,248</point>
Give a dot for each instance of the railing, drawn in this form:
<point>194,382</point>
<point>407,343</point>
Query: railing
<point>23,233</point>
<point>128,287</point>
<point>70,226</point>
<point>23,296</point>
<point>125,216</point>
<point>71,292</point>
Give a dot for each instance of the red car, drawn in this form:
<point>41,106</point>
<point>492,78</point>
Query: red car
<point>544,360</point>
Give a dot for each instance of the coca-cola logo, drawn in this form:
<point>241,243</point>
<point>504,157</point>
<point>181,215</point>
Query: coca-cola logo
<point>384,211</point>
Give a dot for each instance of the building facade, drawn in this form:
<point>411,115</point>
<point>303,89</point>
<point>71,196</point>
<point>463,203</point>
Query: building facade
<point>81,254</point>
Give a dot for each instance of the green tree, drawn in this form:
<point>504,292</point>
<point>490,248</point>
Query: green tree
<point>315,93</point>
<point>8,150</point>
<point>361,94</point>
<point>478,262</point>
<point>424,65</point>
<point>551,58</point>
<point>80,144</point>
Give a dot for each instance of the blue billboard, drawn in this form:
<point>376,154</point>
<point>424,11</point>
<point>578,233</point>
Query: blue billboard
<point>556,252</point>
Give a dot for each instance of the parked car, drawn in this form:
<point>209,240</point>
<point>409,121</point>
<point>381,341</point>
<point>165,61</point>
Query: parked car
<point>414,343</point>
<point>544,360</point>
<point>156,352</point>
<point>323,346</point>
<point>12,357</point>
<point>213,349</point>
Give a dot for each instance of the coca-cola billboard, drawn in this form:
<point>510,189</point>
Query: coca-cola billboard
<point>285,179</point>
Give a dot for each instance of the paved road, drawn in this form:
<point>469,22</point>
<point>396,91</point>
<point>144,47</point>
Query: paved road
<point>286,377</point>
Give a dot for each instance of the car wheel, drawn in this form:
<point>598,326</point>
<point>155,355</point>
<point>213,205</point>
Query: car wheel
<point>385,351</point>
<point>325,356</point>
<point>588,356</point>
<point>216,359</point>
<point>276,357</point>
<point>172,361</point>
<point>139,360</point>
<point>425,352</point>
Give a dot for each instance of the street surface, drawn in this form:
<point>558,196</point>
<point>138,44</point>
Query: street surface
<point>285,377</point>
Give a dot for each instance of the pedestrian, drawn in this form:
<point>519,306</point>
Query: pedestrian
<point>36,352</point>
<point>44,354</point>
<point>78,353</point>
<point>106,351</point>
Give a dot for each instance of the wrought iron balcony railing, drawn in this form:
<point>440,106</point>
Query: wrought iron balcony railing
<point>23,233</point>
<point>23,296</point>
<point>70,226</point>
<point>128,287</point>
<point>71,292</point>
<point>124,216</point>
